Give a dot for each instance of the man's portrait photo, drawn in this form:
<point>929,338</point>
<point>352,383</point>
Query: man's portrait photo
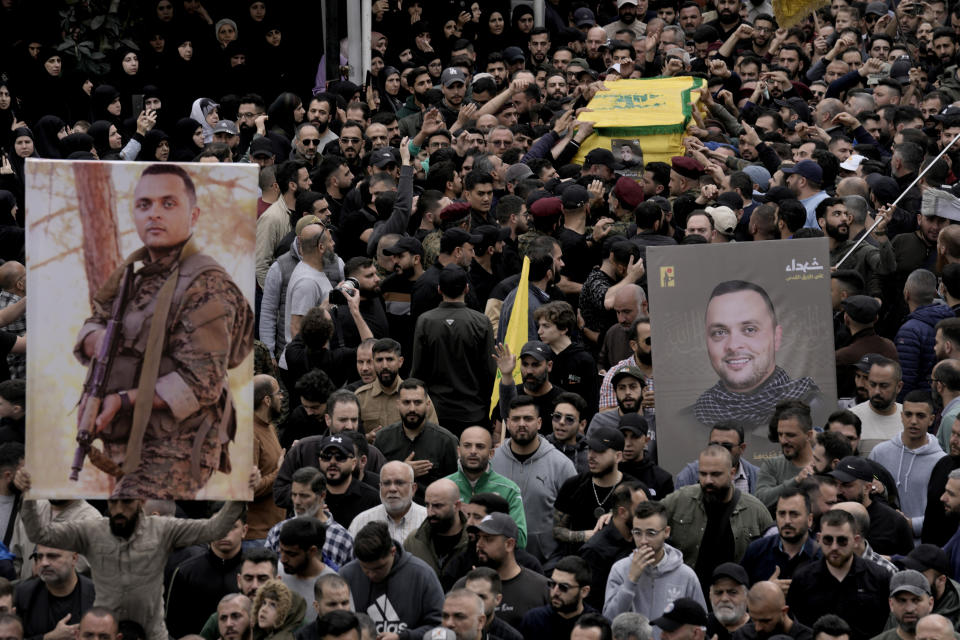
<point>736,331</point>
<point>743,337</point>
<point>155,284</point>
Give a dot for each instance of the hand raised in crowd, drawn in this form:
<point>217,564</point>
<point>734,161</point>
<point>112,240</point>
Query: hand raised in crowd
<point>783,583</point>
<point>146,121</point>
<point>601,229</point>
<point>468,111</point>
<point>846,119</point>
<point>506,361</point>
<point>563,124</point>
<point>405,151</point>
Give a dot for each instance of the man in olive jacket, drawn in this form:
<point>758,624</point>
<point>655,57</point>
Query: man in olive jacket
<point>714,510</point>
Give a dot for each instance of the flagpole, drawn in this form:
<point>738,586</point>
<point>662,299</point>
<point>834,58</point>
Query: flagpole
<point>893,206</point>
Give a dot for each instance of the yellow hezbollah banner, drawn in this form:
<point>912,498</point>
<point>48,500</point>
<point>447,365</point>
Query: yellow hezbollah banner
<point>653,113</point>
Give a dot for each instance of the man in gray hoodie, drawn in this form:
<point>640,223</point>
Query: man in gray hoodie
<point>911,455</point>
<point>654,575</point>
<point>538,468</point>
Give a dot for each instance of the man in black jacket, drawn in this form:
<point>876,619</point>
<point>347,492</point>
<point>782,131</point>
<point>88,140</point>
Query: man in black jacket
<point>56,598</point>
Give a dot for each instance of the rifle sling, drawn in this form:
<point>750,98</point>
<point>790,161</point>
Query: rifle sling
<point>146,385</point>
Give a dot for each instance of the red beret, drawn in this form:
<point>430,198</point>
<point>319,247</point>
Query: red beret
<point>455,211</point>
<point>628,191</point>
<point>546,207</point>
<point>687,167</point>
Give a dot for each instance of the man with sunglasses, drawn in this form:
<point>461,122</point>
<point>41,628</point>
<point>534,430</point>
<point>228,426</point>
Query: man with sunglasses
<point>650,579</point>
<point>569,426</point>
<point>306,145</point>
<point>568,585</point>
<point>841,581</point>
<point>346,496</point>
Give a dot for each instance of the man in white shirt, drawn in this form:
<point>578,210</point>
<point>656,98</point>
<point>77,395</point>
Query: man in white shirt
<point>398,510</point>
<point>880,415</point>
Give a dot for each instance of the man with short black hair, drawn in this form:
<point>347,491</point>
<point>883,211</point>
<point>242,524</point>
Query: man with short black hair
<point>841,581</point>
<point>776,558</point>
<point>397,590</point>
<point>451,354</point>
<point>568,585</point>
<point>330,593</point>
<point>301,559</point>
<point>794,431</point>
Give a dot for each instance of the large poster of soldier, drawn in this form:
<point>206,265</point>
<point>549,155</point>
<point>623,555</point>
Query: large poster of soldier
<point>736,328</point>
<point>140,367</point>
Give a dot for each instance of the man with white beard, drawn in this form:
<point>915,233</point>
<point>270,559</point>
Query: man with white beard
<point>728,601</point>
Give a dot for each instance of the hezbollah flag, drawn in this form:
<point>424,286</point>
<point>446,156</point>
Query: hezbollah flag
<point>516,329</point>
<point>652,113</point>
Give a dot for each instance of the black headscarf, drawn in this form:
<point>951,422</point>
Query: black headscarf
<point>182,147</point>
<point>280,114</point>
<point>16,162</point>
<point>151,141</point>
<point>75,143</point>
<point>102,97</point>
<point>46,139</point>
<point>7,202</point>
<point>100,132</point>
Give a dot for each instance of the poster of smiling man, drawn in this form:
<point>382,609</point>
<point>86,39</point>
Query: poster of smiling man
<point>736,329</point>
<point>141,281</point>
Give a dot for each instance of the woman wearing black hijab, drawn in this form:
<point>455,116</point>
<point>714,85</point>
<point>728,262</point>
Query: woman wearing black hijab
<point>391,93</point>
<point>106,104</point>
<point>46,136</point>
<point>106,139</point>
<point>493,33</point>
<point>284,114</point>
<point>125,77</point>
<point>8,112</point>
<point>76,143</point>
<point>45,89</point>
<point>187,140</point>
<point>156,147</point>
<point>11,233</point>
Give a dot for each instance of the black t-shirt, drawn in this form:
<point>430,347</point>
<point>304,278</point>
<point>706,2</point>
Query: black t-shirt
<point>578,260</point>
<point>580,498</point>
<point>444,546</point>
<point>889,533</point>
<point>720,534</point>
<point>345,507</point>
<point>351,227</point>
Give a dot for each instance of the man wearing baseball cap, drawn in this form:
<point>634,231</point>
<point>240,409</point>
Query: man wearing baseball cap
<point>636,460</point>
<point>728,601</point>
<point>346,496</point>
<point>629,19</point>
<point>684,618</point>
<point>804,180</point>
<point>535,361</point>
<point>584,498</point>
<point>934,563</point>
<point>860,314</point>
<point>889,533</point>
<point>522,589</point>
<point>601,164</point>
<point>910,600</point>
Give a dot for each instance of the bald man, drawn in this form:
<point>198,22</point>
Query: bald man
<point>934,627</point>
<point>474,476</point>
<point>770,615</point>
<point>443,535</point>
<point>629,302</point>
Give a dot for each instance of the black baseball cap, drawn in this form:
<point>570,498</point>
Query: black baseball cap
<point>853,468</point>
<point>575,196</point>
<point>341,443</point>
<point>862,309</point>
<point>634,423</point>
<point>602,438</point>
<point>927,556</point>
<point>680,612</point>
<point>868,361</point>
<point>539,350</point>
<point>730,570</point>
<point>457,237</point>
<point>403,245</point>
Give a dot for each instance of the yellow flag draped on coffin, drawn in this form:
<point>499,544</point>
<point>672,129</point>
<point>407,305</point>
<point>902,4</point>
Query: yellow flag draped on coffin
<point>654,112</point>
<point>517,327</point>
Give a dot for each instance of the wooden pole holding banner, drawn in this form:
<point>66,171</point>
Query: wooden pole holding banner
<point>892,206</point>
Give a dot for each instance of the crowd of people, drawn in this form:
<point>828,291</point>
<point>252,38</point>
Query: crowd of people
<point>393,221</point>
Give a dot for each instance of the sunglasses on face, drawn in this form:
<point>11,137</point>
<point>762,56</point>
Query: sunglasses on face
<point>567,420</point>
<point>327,456</point>
<point>552,584</point>
<point>828,540</point>
<point>309,142</point>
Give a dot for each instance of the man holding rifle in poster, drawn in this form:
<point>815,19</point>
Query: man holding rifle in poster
<point>159,343</point>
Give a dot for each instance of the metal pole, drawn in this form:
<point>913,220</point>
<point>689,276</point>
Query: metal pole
<point>355,42</point>
<point>366,25</point>
<point>538,13</point>
<point>893,206</point>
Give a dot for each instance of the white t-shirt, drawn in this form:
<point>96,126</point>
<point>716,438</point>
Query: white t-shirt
<point>876,428</point>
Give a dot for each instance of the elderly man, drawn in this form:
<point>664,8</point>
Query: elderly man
<point>728,601</point>
<point>397,509</point>
<point>463,613</point>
